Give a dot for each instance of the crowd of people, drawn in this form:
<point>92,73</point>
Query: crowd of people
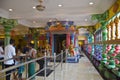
<point>13,53</point>
<point>12,57</point>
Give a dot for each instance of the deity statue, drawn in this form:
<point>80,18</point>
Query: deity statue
<point>64,44</point>
<point>47,47</point>
<point>71,49</point>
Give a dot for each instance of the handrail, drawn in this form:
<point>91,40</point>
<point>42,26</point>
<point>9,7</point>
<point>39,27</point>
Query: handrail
<point>35,74</point>
<point>48,67</point>
<point>16,66</point>
<point>58,63</point>
<point>8,59</point>
<point>58,55</point>
<point>1,76</point>
<point>27,62</point>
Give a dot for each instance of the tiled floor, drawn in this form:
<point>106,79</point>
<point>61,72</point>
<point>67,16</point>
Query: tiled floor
<point>83,70</point>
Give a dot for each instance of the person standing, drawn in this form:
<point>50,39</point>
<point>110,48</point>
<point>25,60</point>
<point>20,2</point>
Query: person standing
<point>31,55</point>
<point>9,53</point>
<point>1,54</point>
<point>25,49</point>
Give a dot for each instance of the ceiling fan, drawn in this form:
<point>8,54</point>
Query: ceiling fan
<point>40,7</point>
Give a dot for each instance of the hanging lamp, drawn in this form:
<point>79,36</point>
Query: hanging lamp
<point>40,7</point>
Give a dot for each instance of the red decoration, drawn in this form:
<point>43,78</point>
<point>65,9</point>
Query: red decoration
<point>12,33</point>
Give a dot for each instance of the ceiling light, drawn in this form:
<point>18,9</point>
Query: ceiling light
<point>85,19</point>
<point>34,21</point>
<point>67,19</point>
<point>50,20</point>
<point>91,3</point>
<point>59,5</point>
<point>34,7</point>
<point>10,9</point>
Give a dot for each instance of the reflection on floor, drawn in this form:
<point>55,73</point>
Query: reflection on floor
<point>83,70</point>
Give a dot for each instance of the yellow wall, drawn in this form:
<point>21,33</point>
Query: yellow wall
<point>81,43</point>
<point>114,9</point>
<point>2,36</point>
<point>81,37</point>
<point>16,38</point>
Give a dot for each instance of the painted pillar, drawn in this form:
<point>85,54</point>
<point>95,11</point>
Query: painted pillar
<point>8,24</point>
<point>7,30</point>
<point>68,40</point>
<point>73,38</point>
<point>47,36</point>
<point>35,42</point>
<point>35,34</point>
<point>52,43</point>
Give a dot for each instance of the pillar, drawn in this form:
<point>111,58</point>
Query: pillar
<point>47,36</point>
<point>35,35</point>
<point>73,38</point>
<point>52,43</point>
<point>35,42</point>
<point>7,30</point>
<point>8,24</point>
<point>67,40</point>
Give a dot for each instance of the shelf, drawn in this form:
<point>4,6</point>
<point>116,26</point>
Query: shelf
<point>117,73</point>
<point>112,71</point>
<point>116,41</point>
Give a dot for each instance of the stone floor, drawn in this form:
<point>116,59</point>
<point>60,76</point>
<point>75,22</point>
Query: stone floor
<point>83,70</point>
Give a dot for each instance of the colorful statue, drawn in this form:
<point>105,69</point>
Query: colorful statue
<point>71,49</point>
<point>64,44</point>
<point>47,47</point>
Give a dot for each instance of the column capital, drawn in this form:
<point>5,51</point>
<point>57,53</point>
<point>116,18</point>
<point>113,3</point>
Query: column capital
<point>8,22</point>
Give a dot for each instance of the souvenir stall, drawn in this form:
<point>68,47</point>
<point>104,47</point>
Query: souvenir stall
<point>61,35</point>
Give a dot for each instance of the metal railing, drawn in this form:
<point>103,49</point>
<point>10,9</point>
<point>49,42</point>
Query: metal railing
<point>54,57</point>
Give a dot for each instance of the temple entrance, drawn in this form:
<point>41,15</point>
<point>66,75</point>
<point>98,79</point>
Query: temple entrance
<point>58,39</point>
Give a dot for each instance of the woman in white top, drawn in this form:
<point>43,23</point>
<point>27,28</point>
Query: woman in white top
<point>9,53</point>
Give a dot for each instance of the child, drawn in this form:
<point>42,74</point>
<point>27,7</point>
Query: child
<point>20,69</point>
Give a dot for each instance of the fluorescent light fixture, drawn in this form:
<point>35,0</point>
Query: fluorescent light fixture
<point>85,19</point>
<point>34,22</point>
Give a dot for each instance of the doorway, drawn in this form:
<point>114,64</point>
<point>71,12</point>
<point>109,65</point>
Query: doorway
<point>58,39</point>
